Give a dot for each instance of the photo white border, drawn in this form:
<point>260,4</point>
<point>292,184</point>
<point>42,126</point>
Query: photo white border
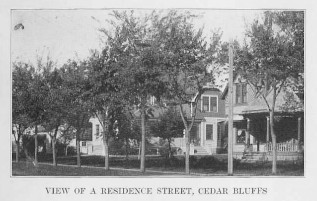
<point>302,188</point>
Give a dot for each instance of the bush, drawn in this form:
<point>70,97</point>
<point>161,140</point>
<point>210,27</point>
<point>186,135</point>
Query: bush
<point>207,162</point>
<point>28,144</point>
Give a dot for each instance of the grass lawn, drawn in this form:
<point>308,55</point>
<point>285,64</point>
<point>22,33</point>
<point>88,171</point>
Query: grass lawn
<point>200,165</point>
<point>28,169</point>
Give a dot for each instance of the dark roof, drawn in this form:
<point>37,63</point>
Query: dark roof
<point>156,111</point>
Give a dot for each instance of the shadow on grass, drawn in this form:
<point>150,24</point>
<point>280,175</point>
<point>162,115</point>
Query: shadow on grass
<point>198,164</point>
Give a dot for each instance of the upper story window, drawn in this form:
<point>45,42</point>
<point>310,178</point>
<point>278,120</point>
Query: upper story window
<point>97,129</point>
<point>209,104</point>
<point>205,104</point>
<point>241,93</point>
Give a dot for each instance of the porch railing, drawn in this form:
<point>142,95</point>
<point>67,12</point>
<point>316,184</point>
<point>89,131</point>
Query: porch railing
<point>282,147</point>
<point>180,142</point>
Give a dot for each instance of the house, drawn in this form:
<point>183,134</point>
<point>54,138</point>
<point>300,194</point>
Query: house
<point>251,131</point>
<point>205,134</point>
<point>44,140</point>
<point>94,146</point>
<point>44,137</point>
<point>209,125</point>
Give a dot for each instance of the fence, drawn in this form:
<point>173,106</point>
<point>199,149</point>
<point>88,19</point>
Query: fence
<point>283,147</point>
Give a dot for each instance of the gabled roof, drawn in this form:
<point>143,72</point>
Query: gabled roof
<point>258,104</point>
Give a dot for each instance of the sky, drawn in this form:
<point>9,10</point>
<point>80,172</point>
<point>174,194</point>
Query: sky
<point>70,34</point>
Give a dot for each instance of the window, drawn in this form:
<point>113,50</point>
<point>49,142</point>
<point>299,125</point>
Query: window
<point>241,93</point>
<point>209,132</point>
<point>213,104</point>
<point>97,129</point>
<point>209,104</point>
<point>241,135</point>
<point>244,93</point>
<point>205,104</point>
<point>83,143</point>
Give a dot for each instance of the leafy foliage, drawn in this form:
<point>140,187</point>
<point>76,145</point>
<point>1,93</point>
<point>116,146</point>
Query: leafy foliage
<point>276,50</point>
<point>273,58</point>
<point>169,125</point>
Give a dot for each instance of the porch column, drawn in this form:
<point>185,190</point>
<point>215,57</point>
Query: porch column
<point>247,137</point>
<point>267,129</point>
<point>234,137</point>
<point>267,133</point>
<point>299,132</point>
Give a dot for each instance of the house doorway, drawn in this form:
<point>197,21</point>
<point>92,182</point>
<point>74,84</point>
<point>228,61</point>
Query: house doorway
<point>195,135</point>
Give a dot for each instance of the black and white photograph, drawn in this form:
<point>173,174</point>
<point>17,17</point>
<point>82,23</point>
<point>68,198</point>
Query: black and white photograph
<point>158,102</point>
<point>160,92</point>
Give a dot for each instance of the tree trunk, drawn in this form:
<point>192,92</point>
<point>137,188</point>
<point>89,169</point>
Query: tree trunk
<point>106,148</point>
<point>54,146</point>
<point>274,151</point>
<point>17,142</point>
<point>142,164</point>
<point>139,154</point>
<point>187,141</point>
<point>187,151</point>
<point>17,151</point>
<point>169,149</point>
<point>54,150</point>
<point>36,148</point>
<point>126,148</point>
<point>78,148</point>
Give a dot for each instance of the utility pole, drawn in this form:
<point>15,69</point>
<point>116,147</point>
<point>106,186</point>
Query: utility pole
<point>230,125</point>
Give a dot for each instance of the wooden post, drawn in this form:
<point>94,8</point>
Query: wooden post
<point>299,132</point>
<point>230,123</point>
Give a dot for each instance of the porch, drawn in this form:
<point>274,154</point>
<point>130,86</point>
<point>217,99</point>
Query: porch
<point>252,136</point>
<point>290,150</point>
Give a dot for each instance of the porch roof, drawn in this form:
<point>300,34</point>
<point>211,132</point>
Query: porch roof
<point>265,113</point>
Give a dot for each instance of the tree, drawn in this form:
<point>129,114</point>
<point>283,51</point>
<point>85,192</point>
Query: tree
<point>56,101</point>
<point>68,133</point>
<point>21,76</point>
<point>133,50</point>
<point>168,126</point>
<point>75,77</point>
<point>37,99</point>
<point>185,57</point>
<point>104,92</point>
<point>127,129</point>
<point>273,57</point>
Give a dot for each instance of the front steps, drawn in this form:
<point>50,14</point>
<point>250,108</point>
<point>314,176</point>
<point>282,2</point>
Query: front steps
<point>253,157</point>
<point>199,150</point>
